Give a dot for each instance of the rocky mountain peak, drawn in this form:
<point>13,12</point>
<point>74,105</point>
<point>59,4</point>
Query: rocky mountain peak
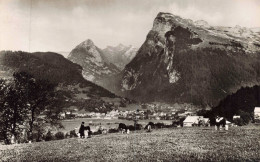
<point>86,50</point>
<point>87,43</point>
<point>202,23</point>
<point>186,61</point>
<point>120,55</point>
<point>120,46</point>
<point>95,65</point>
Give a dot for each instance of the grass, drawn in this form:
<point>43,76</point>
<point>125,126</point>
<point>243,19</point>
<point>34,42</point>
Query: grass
<point>176,144</point>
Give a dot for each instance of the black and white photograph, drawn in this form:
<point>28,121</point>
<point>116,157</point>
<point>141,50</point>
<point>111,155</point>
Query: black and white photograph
<point>129,80</point>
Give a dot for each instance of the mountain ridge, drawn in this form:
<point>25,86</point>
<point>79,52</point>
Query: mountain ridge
<point>120,55</point>
<point>95,65</point>
<point>182,62</point>
<point>65,74</point>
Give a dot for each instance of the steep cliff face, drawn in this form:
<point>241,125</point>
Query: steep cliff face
<point>182,61</point>
<point>120,55</point>
<point>95,65</point>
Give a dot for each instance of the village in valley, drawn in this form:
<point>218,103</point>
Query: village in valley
<point>185,117</point>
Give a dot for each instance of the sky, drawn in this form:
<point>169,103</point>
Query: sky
<point>60,25</point>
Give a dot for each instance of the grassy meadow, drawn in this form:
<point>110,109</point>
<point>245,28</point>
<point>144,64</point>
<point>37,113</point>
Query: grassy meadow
<point>175,144</point>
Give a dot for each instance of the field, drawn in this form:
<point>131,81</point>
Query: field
<point>106,123</point>
<point>175,144</point>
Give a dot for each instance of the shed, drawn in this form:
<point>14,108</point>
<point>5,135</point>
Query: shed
<point>257,112</point>
<point>236,117</point>
<point>190,120</point>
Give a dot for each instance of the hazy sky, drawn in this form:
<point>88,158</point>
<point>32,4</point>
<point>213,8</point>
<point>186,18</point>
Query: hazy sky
<point>59,25</point>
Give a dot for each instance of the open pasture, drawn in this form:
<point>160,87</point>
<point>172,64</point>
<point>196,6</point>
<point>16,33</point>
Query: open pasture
<point>175,144</point>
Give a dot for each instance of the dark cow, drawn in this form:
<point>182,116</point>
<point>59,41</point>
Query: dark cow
<point>220,121</point>
<point>122,127</point>
<point>159,125</point>
<point>151,124</point>
<point>138,126</point>
<point>130,127</point>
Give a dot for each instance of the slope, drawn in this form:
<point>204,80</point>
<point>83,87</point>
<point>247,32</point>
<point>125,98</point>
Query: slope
<point>67,75</point>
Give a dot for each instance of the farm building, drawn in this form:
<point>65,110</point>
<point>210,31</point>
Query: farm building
<point>257,112</point>
<point>191,120</point>
<point>236,117</point>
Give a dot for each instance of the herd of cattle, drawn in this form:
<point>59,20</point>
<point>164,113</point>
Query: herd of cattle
<point>123,128</point>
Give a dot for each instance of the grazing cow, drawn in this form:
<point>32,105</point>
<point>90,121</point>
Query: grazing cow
<point>151,124</point>
<point>87,128</point>
<point>159,125</point>
<point>149,128</point>
<point>138,126</point>
<point>220,121</point>
<point>104,131</point>
<point>130,127</point>
<point>122,127</point>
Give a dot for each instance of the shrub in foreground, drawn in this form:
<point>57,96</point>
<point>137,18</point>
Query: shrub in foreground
<point>73,134</point>
<point>59,135</point>
<point>49,136</point>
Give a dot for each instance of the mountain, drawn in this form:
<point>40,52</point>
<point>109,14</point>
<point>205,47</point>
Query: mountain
<point>66,74</point>
<point>120,55</point>
<point>182,61</point>
<point>244,100</point>
<point>64,53</point>
<point>96,67</point>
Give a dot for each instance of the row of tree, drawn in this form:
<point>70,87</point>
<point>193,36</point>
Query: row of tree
<point>28,106</point>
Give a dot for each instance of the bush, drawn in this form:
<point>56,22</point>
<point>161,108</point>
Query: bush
<point>67,135</point>
<point>73,134</point>
<point>59,135</point>
<point>239,121</point>
<point>37,137</point>
<point>49,136</point>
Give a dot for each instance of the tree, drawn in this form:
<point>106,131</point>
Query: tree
<point>12,110</point>
<point>43,101</point>
<point>29,102</point>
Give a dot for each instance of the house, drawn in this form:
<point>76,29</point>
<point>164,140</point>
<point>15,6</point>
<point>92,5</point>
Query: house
<point>182,115</point>
<point>236,117</point>
<point>257,113</point>
<point>83,113</point>
<point>62,115</point>
<point>74,114</point>
<point>188,113</point>
<point>191,120</point>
